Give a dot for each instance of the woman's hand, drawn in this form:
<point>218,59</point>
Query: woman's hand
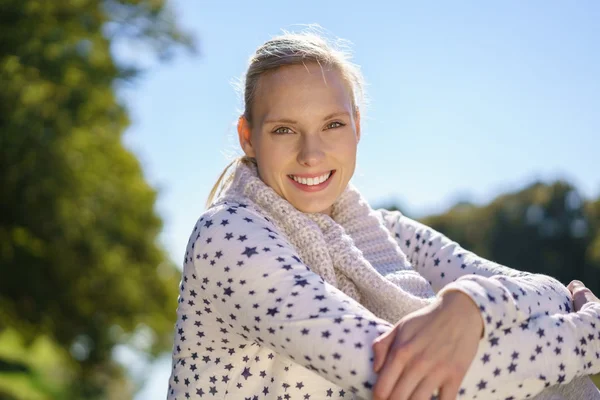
<point>581,295</point>
<point>428,350</point>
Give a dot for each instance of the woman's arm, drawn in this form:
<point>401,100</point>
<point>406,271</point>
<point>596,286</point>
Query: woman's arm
<point>514,295</point>
<point>523,313</point>
<point>439,347</point>
<point>253,279</point>
<point>537,353</point>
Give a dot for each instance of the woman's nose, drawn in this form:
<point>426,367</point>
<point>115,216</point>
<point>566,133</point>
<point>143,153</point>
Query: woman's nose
<point>311,152</point>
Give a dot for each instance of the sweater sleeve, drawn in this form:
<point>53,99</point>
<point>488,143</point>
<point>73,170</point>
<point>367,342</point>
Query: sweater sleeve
<point>254,280</point>
<point>520,361</point>
<point>505,296</point>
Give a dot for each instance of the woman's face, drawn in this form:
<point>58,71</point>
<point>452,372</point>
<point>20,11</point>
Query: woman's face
<point>304,135</point>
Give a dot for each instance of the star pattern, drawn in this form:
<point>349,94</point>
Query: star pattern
<point>254,322</point>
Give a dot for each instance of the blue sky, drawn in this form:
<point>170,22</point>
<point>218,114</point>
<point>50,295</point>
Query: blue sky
<point>467,101</point>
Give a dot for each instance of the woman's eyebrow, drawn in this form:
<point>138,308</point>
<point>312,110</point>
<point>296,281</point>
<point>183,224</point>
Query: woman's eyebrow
<point>337,114</point>
<point>291,121</point>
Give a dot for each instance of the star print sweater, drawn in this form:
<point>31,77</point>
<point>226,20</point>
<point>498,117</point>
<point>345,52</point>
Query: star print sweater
<point>255,322</point>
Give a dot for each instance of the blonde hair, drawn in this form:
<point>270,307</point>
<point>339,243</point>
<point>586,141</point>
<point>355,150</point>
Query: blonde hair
<point>292,49</point>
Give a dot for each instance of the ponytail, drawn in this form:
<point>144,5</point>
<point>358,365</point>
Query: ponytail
<point>225,180</point>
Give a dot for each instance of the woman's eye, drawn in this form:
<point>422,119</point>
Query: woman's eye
<point>334,125</point>
<point>282,130</point>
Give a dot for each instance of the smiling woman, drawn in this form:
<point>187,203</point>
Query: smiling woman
<point>295,288</point>
<point>303,126</point>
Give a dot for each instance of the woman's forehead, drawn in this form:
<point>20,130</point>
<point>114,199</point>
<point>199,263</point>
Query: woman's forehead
<point>301,87</point>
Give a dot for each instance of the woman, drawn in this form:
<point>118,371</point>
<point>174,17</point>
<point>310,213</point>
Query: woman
<point>294,288</point>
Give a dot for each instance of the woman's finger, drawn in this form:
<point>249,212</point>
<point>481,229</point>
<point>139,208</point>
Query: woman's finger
<point>429,385</point>
<point>581,296</point>
<point>449,390</point>
<point>395,362</point>
<point>416,371</point>
<point>574,284</point>
<point>381,346</point>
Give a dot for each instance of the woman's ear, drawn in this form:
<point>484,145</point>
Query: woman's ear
<point>245,136</point>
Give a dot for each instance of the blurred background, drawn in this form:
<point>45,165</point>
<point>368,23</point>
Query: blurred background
<point>117,116</point>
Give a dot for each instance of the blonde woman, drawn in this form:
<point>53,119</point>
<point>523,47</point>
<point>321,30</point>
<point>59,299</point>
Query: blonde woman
<point>295,288</point>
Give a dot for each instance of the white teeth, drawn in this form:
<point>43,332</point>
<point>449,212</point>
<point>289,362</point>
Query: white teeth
<point>312,181</point>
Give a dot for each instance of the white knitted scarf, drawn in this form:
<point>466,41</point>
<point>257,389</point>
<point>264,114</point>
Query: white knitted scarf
<point>351,250</point>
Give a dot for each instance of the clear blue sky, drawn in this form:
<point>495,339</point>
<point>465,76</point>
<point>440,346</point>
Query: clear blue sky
<point>467,101</point>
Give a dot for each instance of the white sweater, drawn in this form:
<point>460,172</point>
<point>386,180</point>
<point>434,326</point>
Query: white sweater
<point>255,321</point>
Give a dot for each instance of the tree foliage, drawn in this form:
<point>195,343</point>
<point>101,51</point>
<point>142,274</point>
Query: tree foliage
<point>80,262</point>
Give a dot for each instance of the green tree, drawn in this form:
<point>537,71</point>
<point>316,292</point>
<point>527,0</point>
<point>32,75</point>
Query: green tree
<point>81,269</point>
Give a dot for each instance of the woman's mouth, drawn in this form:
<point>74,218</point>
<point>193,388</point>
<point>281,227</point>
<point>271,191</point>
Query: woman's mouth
<point>314,183</point>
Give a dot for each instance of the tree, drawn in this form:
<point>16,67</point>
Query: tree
<point>81,267</point>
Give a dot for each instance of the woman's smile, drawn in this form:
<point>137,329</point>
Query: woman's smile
<point>312,183</point>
